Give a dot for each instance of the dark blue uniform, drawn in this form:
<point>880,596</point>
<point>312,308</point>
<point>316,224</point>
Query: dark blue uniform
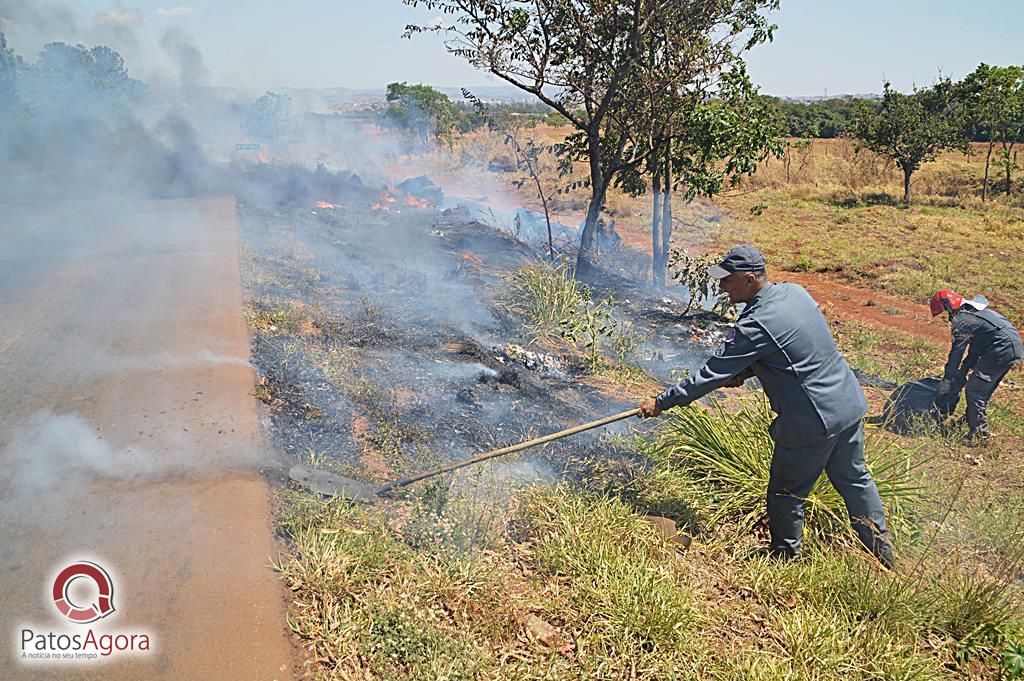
<point>782,338</point>
<point>995,346</point>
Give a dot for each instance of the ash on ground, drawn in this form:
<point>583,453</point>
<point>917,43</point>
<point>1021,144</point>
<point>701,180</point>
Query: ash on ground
<point>377,348</point>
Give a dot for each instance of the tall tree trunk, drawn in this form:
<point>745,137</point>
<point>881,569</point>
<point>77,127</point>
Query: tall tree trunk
<point>1008,162</point>
<point>585,258</point>
<point>655,224</point>
<point>666,216</point>
<point>907,172</point>
<point>988,166</point>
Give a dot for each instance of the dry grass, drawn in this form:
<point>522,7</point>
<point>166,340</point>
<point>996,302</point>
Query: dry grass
<point>838,215</point>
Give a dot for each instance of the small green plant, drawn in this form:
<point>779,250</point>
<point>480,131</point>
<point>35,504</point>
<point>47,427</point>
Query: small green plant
<point>691,272</point>
<point>587,326</point>
<point>1013,660</point>
<point>626,340</point>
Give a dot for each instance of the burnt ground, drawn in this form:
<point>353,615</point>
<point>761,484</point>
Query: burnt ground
<point>378,350</point>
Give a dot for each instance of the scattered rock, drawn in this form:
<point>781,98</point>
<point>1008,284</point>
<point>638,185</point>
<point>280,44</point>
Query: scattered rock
<point>541,631</point>
<point>666,527</point>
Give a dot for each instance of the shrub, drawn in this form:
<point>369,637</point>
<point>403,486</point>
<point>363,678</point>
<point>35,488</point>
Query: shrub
<point>543,295</point>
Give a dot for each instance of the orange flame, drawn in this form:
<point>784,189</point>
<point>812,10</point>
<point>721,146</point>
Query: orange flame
<point>411,200</point>
<point>469,257</point>
<point>328,204</point>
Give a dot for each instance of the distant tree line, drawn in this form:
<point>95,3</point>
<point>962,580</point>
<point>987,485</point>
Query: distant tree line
<point>71,97</point>
<point>912,128</point>
<point>825,119</point>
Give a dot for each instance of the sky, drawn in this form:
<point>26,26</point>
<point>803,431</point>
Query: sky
<point>821,46</point>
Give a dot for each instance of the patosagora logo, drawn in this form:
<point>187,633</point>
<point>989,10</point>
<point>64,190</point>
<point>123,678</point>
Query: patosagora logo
<point>83,594</point>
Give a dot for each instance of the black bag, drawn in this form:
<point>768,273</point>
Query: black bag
<point>916,402</point>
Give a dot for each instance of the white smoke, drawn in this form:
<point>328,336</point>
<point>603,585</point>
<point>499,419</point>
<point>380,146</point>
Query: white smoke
<point>50,449</point>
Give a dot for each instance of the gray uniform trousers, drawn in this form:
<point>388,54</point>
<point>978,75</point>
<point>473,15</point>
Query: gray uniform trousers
<point>978,391</point>
<point>794,470</point>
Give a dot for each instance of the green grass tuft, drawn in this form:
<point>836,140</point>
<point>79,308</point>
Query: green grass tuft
<point>724,458</point>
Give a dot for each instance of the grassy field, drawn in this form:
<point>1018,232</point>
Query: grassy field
<point>469,579</point>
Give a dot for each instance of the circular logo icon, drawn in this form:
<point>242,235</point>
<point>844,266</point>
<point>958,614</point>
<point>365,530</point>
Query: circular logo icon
<point>79,613</point>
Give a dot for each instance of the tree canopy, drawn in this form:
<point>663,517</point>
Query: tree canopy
<point>611,68</point>
<point>912,128</point>
<point>421,112</point>
<point>72,94</point>
<point>994,98</point>
<point>268,117</point>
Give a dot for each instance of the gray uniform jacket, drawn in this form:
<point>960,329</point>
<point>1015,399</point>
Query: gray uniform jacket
<point>782,338</point>
<point>992,338</point>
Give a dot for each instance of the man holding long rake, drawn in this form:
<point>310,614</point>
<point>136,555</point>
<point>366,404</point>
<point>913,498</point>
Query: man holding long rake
<point>782,338</point>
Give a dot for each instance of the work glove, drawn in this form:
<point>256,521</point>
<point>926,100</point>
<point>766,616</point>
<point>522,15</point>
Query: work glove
<point>945,385</point>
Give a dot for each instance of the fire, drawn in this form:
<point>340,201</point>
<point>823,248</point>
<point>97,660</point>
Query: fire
<point>390,196</point>
<point>411,200</point>
<point>328,204</point>
<point>469,257</point>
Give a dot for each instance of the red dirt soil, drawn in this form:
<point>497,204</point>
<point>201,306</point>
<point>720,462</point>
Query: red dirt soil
<point>851,302</point>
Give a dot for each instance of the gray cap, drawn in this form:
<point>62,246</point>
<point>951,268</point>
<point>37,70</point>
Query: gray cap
<point>738,259</point>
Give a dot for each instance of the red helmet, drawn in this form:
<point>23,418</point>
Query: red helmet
<point>946,300</point>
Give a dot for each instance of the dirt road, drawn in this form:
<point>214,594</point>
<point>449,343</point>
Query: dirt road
<point>128,437</point>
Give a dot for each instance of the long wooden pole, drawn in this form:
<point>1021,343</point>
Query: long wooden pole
<point>507,450</point>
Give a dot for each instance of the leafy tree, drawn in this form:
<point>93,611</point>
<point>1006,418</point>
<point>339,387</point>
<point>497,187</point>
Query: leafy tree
<point>995,101</point>
<point>7,73</point>
<point>422,112</point>
<point>8,93</point>
<point>912,129</point>
<point>269,116</point>
<point>590,61</point>
<point>713,136</point>
<point>72,81</point>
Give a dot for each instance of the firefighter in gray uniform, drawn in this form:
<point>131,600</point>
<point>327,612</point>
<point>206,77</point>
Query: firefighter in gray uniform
<point>995,347</point>
<point>782,338</point>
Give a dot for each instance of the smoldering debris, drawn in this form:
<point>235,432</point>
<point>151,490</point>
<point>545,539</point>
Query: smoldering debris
<point>399,361</point>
